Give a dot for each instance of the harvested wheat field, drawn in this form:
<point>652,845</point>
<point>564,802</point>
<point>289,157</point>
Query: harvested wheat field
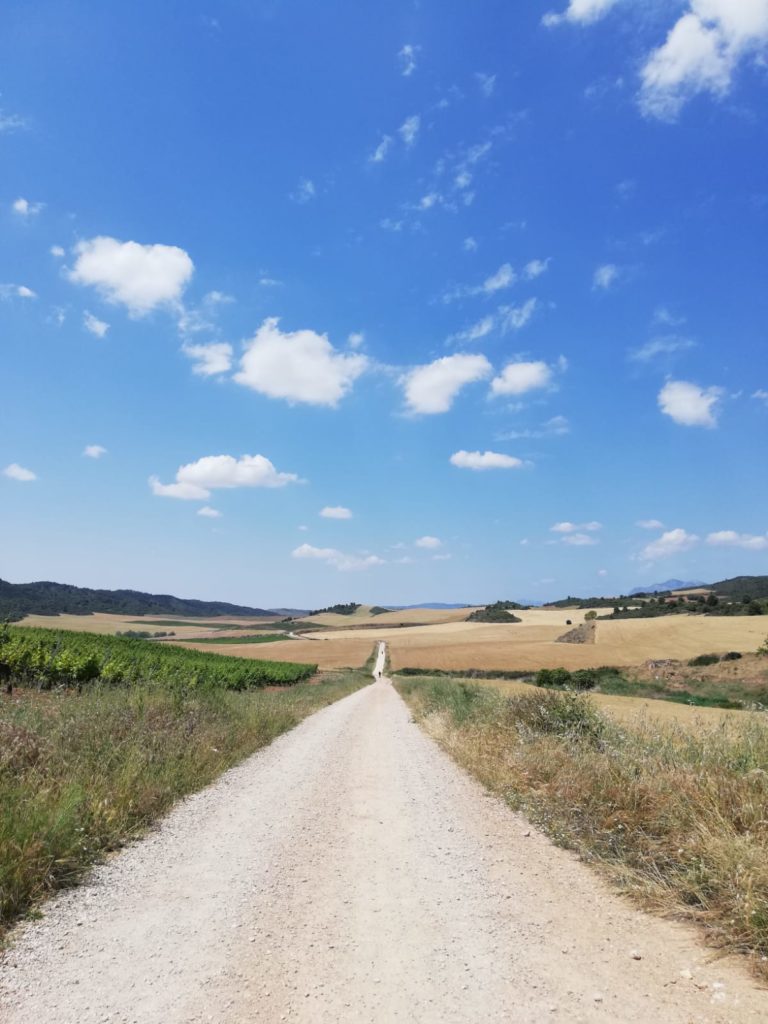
<point>104,622</point>
<point>531,644</point>
<point>408,617</point>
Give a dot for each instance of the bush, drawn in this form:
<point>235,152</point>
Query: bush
<point>704,659</point>
<point>590,616</point>
<point>731,656</point>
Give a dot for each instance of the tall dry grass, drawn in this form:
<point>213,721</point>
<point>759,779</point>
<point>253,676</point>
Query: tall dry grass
<point>81,774</point>
<point>678,819</point>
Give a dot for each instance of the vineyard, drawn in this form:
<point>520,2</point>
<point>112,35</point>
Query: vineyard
<point>48,658</point>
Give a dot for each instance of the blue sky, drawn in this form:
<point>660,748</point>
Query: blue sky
<point>312,302</point>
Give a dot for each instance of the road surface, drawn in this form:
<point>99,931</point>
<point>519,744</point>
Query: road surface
<point>350,872</point>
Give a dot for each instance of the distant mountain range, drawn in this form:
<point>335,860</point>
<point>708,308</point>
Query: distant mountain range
<point>20,599</point>
<point>657,588</point>
<point>434,605</point>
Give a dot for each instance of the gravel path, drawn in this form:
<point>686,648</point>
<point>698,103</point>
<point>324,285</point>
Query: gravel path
<point>351,872</point>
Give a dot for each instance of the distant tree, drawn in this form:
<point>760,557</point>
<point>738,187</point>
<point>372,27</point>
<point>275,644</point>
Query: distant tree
<point>712,600</point>
<point>590,616</point>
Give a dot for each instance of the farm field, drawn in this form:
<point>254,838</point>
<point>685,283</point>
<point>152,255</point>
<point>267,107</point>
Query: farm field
<point>103,622</point>
<point>331,653</point>
<point>408,616</point>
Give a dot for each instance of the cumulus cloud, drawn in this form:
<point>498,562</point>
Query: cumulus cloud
<point>209,513</point>
<point>732,539</point>
<point>673,542</point>
<point>429,543</point>
<point>535,268</point>
<point>356,339</point>
<point>580,12</point>
<point>604,276</point>
<point>517,378</point>
<point>650,524</point>
<point>298,366</point>
<point>579,540</point>
<point>690,405</point>
<point>569,528</point>
<point>338,559</point>
<point>409,129</point>
<point>702,52</point>
<point>20,473</point>
<point>58,251</point>
<point>94,325</point>
<point>379,154</point>
<point>18,291</point>
<point>24,208</point>
<point>211,359</point>
<point>139,277</point>
<point>196,480</point>
<point>94,451</point>
<point>663,346</point>
<point>485,460</point>
<point>432,388</point>
<point>407,57</point>
<point>335,512</point>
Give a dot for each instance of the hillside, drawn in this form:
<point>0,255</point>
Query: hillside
<point>742,586</point>
<point>667,585</point>
<point>45,598</point>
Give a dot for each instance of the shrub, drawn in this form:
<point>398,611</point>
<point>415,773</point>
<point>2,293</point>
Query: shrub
<point>704,659</point>
<point>590,616</point>
<point>731,656</point>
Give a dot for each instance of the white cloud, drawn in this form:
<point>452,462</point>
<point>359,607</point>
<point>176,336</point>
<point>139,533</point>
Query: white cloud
<point>409,129</point>
<point>429,543</point>
<point>503,278</point>
<point>477,330</point>
<point>650,524</point>
<point>209,513</point>
<point>605,276</point>
<point>380,153</point>
<point>11,122</point>
<point>514,318</point>
<point>557,426</point>
<point>196,480</point>
<point>211,359</point>
<point>25,293</point>
<point>463,179</point>
<point>673,542</point>
<point>484,460</point>
<point>338,559</point>
<point>666,345</point>
<point>58,251</point>
<point>602,572</point>
<point>270,282</point>
<point>579,540</point>
<point>356,339</point>
<point>580,12</point>
<point>335,512</point>
<point>24,208</point>
<point>486,83</point>
<point>140,277</point>
<point>432,388</point>
<point>17,472</point>
<point>535,268</point>
<point>469,244</point>
<point>94,451</point>
<point>731,539</point>
<point>407,58</point>
<point>304,192</point>
<point>689,404</point>
<point>442,558</point>
<point>429,200</point>
<point>567,527</point>
<point>701,53</point>
<point>19,291</point>
<point>94,325</point>
<point>299,366</point>
<point>761,395</point>
<point>520,377</point>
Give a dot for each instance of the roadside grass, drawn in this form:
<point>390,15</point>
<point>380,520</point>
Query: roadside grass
<point>80,774</point>
<point>679,820</point>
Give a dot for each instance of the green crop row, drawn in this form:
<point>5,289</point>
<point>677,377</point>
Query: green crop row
<point>47,658</point>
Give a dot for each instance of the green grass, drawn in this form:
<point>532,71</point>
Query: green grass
<point>675,817</point>
<point>265,638</point>
<point>81,774</point>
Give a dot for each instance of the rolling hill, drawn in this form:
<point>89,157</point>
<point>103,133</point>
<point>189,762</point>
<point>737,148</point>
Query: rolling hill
<point>45,598</point>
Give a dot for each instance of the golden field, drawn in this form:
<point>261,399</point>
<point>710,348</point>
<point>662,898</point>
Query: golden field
<point>103,622</point>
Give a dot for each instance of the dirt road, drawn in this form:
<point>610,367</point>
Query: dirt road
<point>351,873</point>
